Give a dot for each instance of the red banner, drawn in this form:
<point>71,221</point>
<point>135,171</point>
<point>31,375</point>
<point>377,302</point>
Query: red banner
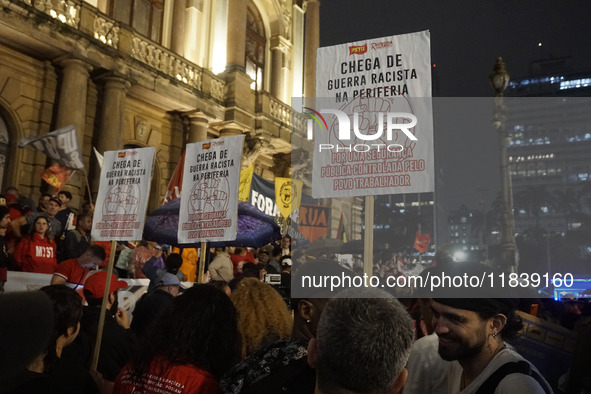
<point>176,181</point>
<point>57,176</point>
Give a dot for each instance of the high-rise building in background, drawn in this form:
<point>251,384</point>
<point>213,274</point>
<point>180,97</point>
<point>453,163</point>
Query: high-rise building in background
<point>550,147</point>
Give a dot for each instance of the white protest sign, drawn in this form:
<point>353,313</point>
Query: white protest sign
<point>372,121</point>
<point>209,199</point>
<point>123,195</point>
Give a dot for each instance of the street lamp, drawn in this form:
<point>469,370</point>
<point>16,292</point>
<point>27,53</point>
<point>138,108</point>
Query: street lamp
<point>499,78</point>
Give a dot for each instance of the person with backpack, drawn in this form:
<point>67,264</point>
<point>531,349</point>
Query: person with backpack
<point>472,334</point>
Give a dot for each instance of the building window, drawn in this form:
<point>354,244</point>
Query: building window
<point>255,47</point>
<point>4,152</point>
<point>144,16</point>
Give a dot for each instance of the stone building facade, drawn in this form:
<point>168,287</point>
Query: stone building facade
<point>162,73</point>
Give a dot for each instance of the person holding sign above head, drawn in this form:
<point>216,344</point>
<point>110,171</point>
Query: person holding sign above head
<point>37,252</point>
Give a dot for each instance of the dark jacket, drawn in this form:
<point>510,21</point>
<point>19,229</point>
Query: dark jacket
<point>117,345</point>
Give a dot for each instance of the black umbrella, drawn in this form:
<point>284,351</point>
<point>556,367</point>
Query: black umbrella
<point>324,245</point>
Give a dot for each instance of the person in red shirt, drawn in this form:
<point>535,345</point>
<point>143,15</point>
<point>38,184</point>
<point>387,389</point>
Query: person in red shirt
<point>36,252</point>
<point>72,272</point>
<point>239,258</point>
<point>188,361</point>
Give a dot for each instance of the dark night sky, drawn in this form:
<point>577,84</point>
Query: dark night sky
<point>466,38</point>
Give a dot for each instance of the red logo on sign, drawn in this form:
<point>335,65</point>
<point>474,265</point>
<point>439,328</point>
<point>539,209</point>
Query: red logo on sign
<point>121,154</point>
<point>207,145</point>
<point>358,49</point>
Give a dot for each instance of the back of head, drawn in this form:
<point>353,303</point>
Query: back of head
<point>277,251</point>
<point>263,315</point>
<point>199,328</point>
<point>251,270</point>
<point>67,312</point>
<point>25,329</point>
<point>363,343</point>
<point>173,263</point>
<point>66,193</point>
<point>97,251</point>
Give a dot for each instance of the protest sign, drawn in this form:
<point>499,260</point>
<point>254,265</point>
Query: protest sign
<point>123,195</point>
<point>209,199</point>
<point>372,120</point>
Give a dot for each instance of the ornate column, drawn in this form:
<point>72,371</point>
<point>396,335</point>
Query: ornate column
<point>177,37</point>
<point>312,41</point>
<point>198,125</point>
<point>231,129</point>
<point>277,67</point>
<point>73,93</point>
<point>111,117</point>
<point>236,33</point>
<point>72,110</point>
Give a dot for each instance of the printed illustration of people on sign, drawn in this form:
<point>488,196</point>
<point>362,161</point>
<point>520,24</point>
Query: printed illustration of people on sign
<point>209,200</point>
<point>120,208</point>
<point>122,199</point>
<point>376,118</point>
<point>209,195</point>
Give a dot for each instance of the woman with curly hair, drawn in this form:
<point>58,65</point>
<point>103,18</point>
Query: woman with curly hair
<point>187,349</point>
<point>263,315</point>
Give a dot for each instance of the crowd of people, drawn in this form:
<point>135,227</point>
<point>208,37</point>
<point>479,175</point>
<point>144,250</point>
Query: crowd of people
<point>242,331</point>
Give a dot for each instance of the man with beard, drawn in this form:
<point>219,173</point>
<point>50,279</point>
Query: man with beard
<point>472,333</point>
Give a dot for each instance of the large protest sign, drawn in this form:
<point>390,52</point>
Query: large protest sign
<point>209,199</point>
<point>123,195</point>
<point>372,119</point>
<point>60,145</point>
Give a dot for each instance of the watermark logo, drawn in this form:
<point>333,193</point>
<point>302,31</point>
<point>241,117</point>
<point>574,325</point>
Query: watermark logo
<point>393,122</point>
<point>317,117</point>
<point>357,49</point>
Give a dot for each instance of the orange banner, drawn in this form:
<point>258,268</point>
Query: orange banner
<point>56,175</point>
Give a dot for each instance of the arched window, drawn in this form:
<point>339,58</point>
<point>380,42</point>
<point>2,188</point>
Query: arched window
<point>255,47</point>
<point>4,149</point>
<point>145,16</point>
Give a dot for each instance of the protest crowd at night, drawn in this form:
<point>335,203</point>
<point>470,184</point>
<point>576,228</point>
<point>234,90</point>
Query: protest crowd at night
<point>257,197</point>
<point>236,333</point>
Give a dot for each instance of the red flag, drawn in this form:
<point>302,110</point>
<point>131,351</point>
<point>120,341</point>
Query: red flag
<point>56,175</point>
<point>175,184</point>
<point>422,241</point>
